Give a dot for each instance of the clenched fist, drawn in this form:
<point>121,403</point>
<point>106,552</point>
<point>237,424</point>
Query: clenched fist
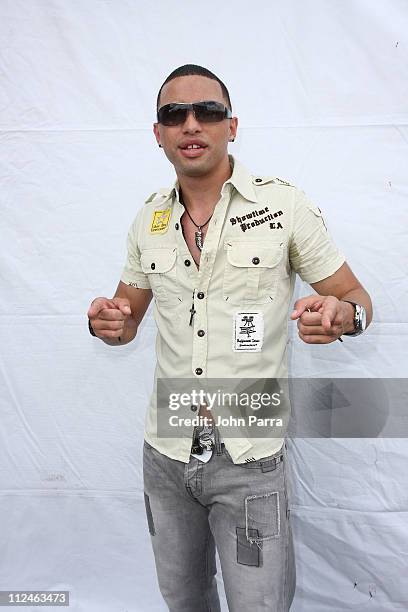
<point>108,316</point>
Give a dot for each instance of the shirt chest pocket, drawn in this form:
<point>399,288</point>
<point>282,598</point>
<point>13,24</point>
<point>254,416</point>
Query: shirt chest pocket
<point>160,266</point>
<point>252,272</point>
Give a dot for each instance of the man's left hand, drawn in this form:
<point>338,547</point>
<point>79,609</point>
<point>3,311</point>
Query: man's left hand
<point>322,318</point>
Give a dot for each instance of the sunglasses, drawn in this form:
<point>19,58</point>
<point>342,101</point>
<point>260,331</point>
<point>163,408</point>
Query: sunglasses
<point>207,111</point>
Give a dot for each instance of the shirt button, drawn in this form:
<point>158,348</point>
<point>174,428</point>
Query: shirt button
<point>200,332</point>
<point>255,260</point>
<point>177,226</point>
<point>193,408</point>
<point>153,265</point>
<point>187,262</point>
<point>200,295</point>
<point>198,371</point>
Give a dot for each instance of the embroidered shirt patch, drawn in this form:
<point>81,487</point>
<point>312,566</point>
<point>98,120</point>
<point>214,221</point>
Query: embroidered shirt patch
<point>248,331</point>
<point>160,221</point>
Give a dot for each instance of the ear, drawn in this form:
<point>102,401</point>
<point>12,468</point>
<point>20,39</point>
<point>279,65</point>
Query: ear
<point>233,128</point>
<point>156,132</point>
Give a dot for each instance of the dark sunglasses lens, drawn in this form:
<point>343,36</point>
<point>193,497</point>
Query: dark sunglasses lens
<point>209,112</point>
<point>172,114</point>
<point>206,112</point>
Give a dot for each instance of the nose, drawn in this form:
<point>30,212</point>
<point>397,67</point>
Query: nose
<point>191,124</point>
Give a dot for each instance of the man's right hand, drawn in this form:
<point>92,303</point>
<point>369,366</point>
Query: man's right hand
<point>108,316</point>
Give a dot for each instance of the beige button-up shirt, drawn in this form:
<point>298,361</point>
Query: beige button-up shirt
<point>263,231</point>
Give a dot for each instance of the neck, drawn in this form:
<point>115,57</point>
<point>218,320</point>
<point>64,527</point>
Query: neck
<point>201,193</point>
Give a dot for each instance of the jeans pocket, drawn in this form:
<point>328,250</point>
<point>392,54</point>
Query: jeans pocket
<point>265,464</point>
<point>262,513</point>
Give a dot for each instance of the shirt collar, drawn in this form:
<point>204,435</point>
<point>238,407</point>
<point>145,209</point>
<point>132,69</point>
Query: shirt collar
<point>240,179</point>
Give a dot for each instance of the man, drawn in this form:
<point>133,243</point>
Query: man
<point>219,252</point>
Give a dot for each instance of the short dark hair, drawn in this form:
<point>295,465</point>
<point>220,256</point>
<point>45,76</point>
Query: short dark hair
<point>190,70</point>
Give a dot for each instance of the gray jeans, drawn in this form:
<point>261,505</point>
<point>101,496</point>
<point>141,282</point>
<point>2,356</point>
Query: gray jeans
<point>242,510</point>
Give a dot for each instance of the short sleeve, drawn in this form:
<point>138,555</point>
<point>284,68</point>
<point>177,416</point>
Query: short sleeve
<point>312,252</point>
<point>132,273</point>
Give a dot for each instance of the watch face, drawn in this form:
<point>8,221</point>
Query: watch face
<point>360,318</point>
<point>363,318</point>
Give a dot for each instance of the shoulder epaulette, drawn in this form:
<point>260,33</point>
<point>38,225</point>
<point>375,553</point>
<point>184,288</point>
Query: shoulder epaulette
<point>161,193</point>
<point>283,182</point>
<point>258,180</point>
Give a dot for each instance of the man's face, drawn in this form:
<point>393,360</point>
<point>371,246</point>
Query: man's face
<point>212,137</point>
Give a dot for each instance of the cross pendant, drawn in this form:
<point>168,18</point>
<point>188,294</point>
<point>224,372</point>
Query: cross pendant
<point>192,311</point>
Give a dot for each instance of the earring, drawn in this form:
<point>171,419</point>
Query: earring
<point>232,139</point>
<point>160,146</point>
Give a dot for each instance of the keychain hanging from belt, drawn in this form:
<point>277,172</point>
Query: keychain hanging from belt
<point>203,439</point>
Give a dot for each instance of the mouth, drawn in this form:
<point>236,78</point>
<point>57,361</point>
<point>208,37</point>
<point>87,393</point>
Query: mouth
<point>194,149</point>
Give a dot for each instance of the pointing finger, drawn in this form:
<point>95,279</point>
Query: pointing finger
<point>99,304</point>
<point>311,302</point>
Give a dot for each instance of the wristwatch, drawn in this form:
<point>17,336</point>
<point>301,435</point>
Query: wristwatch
<point>360,319</point>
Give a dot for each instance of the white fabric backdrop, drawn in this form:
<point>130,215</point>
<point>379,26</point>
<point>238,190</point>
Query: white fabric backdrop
<point>320,89</point>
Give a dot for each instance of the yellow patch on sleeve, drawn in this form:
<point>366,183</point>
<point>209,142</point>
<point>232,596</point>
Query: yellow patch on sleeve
<point>160,221</point>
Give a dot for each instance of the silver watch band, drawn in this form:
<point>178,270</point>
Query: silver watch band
<point>359,319</point>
